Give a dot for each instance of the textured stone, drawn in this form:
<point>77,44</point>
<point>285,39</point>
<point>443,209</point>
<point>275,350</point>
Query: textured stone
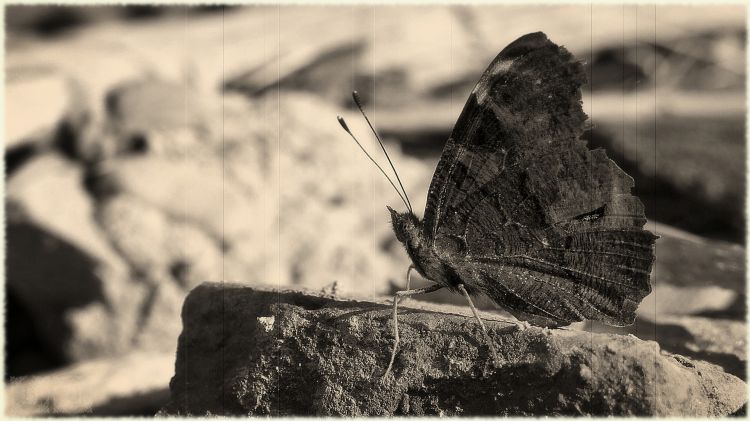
<point>244,351</point>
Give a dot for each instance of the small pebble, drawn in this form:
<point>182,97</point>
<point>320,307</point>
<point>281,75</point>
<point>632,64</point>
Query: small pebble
<point>267,322</point>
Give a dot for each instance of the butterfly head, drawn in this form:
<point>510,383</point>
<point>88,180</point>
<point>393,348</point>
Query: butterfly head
<point>406,226</point>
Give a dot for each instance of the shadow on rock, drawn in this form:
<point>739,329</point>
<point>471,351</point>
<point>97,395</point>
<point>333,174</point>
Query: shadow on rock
<point>37,257</point>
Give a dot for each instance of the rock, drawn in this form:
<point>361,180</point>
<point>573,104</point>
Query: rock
<point>695,275</point>
<point>101,290</point>
<point>244,351</point>
<point>319,67</point>
<point>133,384</point>
<point>670,300</point>
<point>718,341</point>
<point>158,247</point>
<point>52,182</point>
<point>159,324</point>
<point>168,255</point>
<point>721,342</point>
<point>688,260</point>
<point>37,102</point>
<point>97,59</point>
<point>157,117</point>
<point>246,194</point>
<point>190,190</point>
<point>181,220</point>
<point>312,166</point>
<point>107,326</point>
<point>51,220</point>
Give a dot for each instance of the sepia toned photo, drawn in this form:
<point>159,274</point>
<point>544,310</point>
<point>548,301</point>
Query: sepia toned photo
<point>375,210</point>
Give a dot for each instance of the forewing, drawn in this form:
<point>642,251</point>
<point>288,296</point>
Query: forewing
<point>523,210</point>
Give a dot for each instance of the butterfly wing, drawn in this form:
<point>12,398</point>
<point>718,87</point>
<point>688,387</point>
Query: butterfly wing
<point>523,211</point>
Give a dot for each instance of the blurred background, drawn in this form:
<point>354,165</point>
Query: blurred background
<point>149,149</point>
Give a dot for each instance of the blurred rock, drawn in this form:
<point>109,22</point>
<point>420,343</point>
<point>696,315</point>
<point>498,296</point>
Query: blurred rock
<point>684,259</point>
<point>193,190</point>
<point>96,296</point>
<point>422,63</point>
<point>252,207</point>
<point>49,21</point>
<point>260,187</point>
<point>720,342</point>
<point>242,351</point>
<point>133,384</point>
<point>48,183</point>
<point>51,220</point>
<point>156,246</point>
<point>666,300</point>
<point>694,275</point>
<point>37,102</point>
<point>684,163</point>
<point>159,322</point>
<point>25,352</point>
<point>305,67</point>
<point>157,116</point>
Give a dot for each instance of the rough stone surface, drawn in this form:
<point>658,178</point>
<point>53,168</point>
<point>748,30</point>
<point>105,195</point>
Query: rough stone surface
<point>244,351</point>
<point>127,385</point>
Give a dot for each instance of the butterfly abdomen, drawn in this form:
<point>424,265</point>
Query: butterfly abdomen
<point>409,231</point>
<point>431,266</point>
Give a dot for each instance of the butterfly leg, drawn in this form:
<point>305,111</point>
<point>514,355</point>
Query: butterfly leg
<point>408,277</point>
<point>490,342</point>
<point>400,295</point>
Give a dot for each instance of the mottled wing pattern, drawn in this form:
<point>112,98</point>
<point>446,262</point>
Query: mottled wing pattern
<point>523,211</point>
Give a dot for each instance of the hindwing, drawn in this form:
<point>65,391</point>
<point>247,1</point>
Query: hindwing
<point>523,211</point>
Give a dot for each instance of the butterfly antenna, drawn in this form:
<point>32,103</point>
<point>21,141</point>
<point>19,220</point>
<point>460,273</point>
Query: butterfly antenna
<point>344,125</point>
<point>358,101</point>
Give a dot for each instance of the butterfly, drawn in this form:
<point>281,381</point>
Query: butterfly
<point>520,210</point>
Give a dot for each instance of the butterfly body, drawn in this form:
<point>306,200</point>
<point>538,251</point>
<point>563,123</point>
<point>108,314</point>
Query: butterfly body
<point>408,231</point>
<point>519,209</point>
<point>426,261</point>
